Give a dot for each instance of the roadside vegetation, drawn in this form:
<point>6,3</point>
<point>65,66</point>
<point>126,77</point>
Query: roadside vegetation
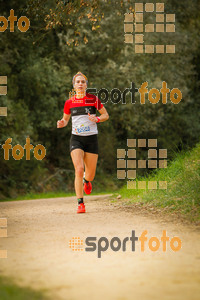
<point>183,186</point>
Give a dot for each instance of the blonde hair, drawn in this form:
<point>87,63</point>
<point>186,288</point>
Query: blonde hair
<point>79,74</point>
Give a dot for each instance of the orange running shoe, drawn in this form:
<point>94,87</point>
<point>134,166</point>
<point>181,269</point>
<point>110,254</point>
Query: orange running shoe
<point>81,208</point>
<point>87,187</point>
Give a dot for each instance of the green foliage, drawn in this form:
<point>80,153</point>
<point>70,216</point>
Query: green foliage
<point>9,290</point>
<point>183,189</point>
<point>40,64</point>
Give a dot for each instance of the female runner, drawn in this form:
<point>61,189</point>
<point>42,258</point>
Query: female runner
<point>84,142</point>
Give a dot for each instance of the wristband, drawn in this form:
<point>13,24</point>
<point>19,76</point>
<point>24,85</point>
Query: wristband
<point>98,120</point>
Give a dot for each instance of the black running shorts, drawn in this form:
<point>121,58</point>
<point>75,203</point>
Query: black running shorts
<point>87,143</point>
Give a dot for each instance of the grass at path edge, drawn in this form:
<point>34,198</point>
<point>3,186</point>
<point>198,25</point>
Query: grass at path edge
<point>9,290</point>
<point>33,196</point>
<point>183,187</point>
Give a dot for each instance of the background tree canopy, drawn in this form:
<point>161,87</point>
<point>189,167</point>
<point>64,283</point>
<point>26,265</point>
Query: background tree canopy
<point>67,36</point>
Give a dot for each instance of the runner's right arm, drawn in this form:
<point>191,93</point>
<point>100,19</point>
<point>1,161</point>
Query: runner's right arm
<point>64,121</point>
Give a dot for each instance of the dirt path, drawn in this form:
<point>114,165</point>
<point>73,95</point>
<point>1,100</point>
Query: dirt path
<point>39,255</point>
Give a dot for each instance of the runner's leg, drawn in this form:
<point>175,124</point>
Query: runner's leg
<point>90,161</point>
<point>77,156</point>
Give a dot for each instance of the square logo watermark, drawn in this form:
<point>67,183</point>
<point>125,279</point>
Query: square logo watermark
<point>3,234</point>
<point>127,163</point>
<point>135,29</point>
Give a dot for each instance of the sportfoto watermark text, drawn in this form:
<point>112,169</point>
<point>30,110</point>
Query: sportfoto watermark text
<point>154,95</point>
<point>23,23</point>
<point>102,244</point>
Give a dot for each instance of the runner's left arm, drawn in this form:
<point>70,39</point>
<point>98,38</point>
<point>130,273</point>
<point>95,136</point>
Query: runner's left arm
<point>104,114</point>
<point>103,117</point>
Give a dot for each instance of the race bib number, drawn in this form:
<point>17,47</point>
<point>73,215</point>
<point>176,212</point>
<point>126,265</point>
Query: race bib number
<point>82,128</point>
